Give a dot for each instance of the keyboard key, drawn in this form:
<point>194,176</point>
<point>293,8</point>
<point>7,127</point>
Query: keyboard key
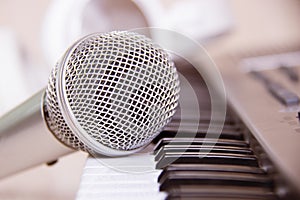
<point>172,178</point>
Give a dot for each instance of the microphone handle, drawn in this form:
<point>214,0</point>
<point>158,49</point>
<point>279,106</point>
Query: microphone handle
<point>25,140</point>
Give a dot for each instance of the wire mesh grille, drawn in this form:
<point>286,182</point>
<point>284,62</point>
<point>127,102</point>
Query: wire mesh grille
<point>121,88</point>
<point>54,118</point>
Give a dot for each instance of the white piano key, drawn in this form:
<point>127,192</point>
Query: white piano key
<point>133,177</point>
<point>124,196</point>
<point>121,177</point>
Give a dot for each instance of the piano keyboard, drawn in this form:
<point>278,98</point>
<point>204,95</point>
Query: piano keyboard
<point>187,165</point>
<point>230,169</point>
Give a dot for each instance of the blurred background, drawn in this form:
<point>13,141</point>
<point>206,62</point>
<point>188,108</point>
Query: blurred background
<point>35,33</point>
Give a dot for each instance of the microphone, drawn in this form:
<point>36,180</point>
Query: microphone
<point>110,95</point>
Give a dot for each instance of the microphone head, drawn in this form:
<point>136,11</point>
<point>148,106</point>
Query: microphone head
<point>111,93</point>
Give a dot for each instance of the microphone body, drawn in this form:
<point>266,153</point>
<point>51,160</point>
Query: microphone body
<point>25,140</point>
<point>110,94</point>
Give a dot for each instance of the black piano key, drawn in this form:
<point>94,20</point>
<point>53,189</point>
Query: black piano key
<point>201,133</point>
<point>204,158</point>
<point>199,141</point>
<point>213,167</point>
<point>211,192</point>
<point>177,149</point>
<point>203,124</point>
<point>205,119</point>
<point>170,132</point>
<point>210,168</point>
<point>173,178</point>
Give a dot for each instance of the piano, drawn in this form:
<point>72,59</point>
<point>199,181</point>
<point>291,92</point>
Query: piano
<point>254,157</point>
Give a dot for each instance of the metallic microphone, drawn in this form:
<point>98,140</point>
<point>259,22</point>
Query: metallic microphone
<point>110,94</point>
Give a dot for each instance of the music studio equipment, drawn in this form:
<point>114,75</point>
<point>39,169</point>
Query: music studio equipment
<point>255,157</point>
<point>110,94</point>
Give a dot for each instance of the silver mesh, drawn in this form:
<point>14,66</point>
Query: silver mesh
<point>54,119</point>
<point>120,88</point>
